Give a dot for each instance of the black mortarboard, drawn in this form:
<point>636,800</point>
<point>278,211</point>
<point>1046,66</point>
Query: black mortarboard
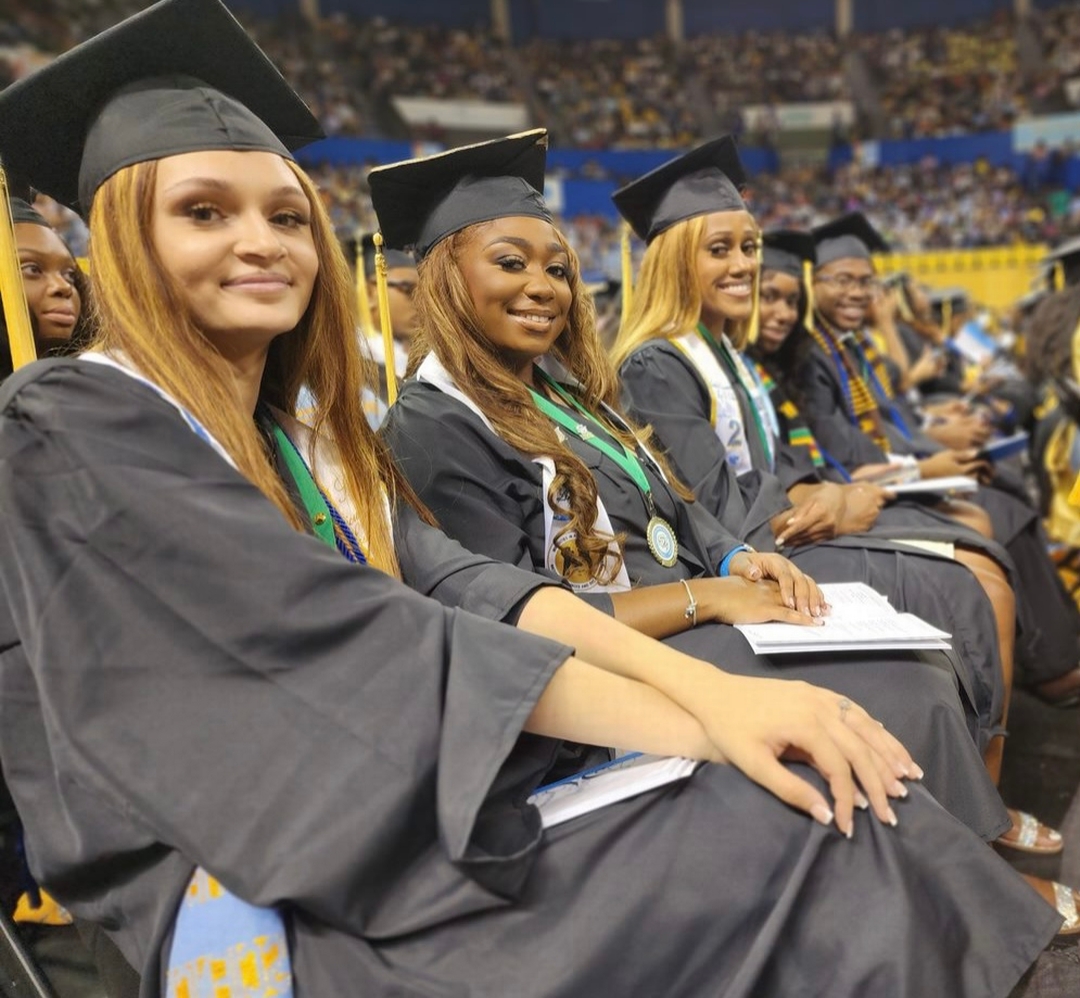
<point>1067,255</point>
<point>394,258</point>
<point>787,250</point>
<point>180,76</point>
<point>849,237</point>
<point>956,297</point>
<point>706,179</point>
<point>23,213</point>
<point>422,201</point>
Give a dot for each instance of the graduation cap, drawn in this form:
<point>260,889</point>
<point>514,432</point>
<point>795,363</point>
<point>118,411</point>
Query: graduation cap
<point>181,76</point>
<point>706,179</point>
<point>849,237</point>
<point>1063,263</point>
<point>788,251</point>
<point>955,298</point>
<point>26,214</point>
<point>420,202</point>
<point>599,285</point>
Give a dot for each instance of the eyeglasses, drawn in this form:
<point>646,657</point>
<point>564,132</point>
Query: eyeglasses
<point>845,282</point>
<point>407,288</point>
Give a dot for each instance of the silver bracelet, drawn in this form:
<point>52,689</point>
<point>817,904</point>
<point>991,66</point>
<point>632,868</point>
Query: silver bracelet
<point>691,607</point>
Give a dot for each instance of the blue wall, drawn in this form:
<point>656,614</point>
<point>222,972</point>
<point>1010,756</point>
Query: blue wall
<point>586,18</point>
<point>880,15</point>
<point>731,16</point>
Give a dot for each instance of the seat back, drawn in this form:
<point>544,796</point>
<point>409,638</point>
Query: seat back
<point>226,948</point>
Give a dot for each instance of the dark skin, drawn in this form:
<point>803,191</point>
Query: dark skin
<point>823,510</point>
<point>517,274</point>
<point>843,294</point>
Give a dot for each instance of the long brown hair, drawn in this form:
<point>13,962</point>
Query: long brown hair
<point>448,326</point>
<point>141,313</point>
<point>667,297</point>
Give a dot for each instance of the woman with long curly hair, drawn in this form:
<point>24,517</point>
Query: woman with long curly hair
<point>512,435</point>
<point>209,661</point>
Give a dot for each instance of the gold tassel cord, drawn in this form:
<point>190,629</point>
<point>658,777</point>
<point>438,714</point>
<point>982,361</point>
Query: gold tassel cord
<point>627,273</point>
<point>1058,276</point>
<point>384,319</point>
<point>808,287</point>
<point>946,319</point>
<point>362,301</point>
<point>13,297</point>
<point>755,313</point>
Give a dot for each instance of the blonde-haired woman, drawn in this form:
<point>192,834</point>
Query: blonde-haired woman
<point>191,679</point>
<point>681,362</point>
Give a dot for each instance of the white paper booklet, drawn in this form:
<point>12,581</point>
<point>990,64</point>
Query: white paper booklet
<point>861,620</point>
<point>620,779</point>
<point>936,486</point>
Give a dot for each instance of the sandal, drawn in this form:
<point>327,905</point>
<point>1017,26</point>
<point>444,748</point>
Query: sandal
<point>1028,834</point>
<point>1064,899</point>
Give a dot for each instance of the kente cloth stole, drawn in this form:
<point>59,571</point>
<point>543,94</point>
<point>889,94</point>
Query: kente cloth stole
<point>861,405</point>
<point>794,428</point>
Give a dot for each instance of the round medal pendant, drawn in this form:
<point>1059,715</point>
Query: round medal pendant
<point>662,541</point>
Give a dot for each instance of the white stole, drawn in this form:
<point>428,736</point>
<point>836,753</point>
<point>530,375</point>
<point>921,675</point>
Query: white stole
<point>726,415</point>
<point>433,373</point>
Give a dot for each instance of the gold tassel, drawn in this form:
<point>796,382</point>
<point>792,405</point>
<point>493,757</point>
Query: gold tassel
<point>384,320</point>
<point>12,293</point>
<point>627,273</point>
<point>754,325</point>
<point>362,301</point>
<point>1059,276</point>
<point>808,287</point>
<point>946,319</point>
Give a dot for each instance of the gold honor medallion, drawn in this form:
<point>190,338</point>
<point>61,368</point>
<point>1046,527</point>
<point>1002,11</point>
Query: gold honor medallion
<point>662,541</point>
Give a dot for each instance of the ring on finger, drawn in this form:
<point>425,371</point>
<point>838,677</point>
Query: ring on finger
<point>845,706</point>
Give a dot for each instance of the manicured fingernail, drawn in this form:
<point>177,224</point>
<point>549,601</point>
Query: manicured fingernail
<point>915,771</point>
<point>890,817</point>
<point>821,814</point>
<point>790,603</point>
<point>898,789</point>
<point>850,832</point>
<point>860,800</point>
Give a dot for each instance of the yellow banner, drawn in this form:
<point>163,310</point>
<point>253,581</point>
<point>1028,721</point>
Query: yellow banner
<point>996,276</point>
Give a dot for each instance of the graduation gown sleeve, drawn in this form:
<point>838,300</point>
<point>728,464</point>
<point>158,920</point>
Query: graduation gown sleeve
<point>433,564</point>
<point>661,389</point>
<point>165,610</point>
<point>483,493</point>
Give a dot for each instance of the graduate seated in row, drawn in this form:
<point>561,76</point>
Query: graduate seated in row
<point>844,391</point>
<point>210,659</point>
<point>683,374</point>
<point>54,291</point>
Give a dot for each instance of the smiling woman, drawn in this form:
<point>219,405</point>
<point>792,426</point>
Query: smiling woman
<point>519,284</point>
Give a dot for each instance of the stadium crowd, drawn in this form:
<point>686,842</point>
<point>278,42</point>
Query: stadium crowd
<point>640,92</point>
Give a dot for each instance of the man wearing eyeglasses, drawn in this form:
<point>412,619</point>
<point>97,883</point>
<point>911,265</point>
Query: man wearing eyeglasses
<point>862,425</point>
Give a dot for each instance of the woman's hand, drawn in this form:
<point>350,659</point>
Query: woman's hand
<point>946,463</point>
<point>862,504</point>
<point>960,432</point>
<point>736,600</point>
<point>754,723</point>
<point>798,591</point>
<point>930,364</point>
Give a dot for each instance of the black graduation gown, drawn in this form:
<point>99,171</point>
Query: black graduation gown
<point>664,390</point>
<point>186,681</point>
<point>488,496</point>
<point>1048,638</point>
